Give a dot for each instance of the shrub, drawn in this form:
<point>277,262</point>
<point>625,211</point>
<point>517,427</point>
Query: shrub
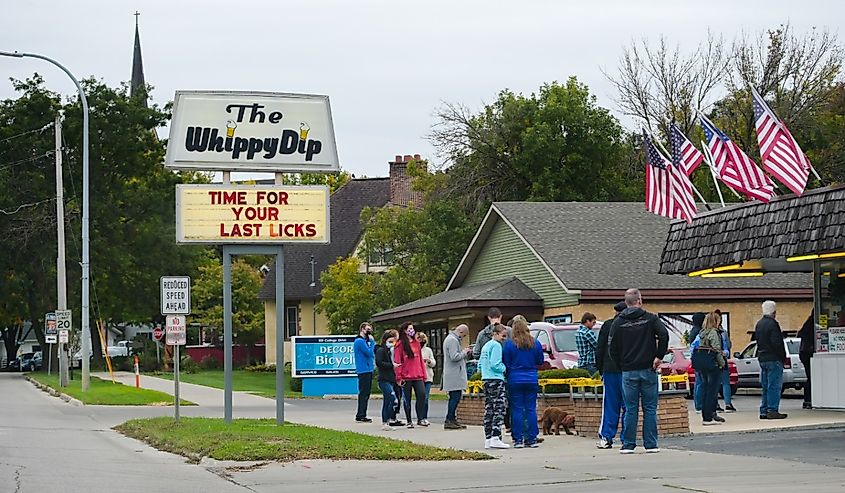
<point>262,368</point>
<point>296,384</point>
<point>148,362</point>
<point>570,373</point>
<point>209,362</point>
<point>188,365</point>
<point>476,376</point>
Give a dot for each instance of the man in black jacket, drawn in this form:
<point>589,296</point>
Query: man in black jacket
<point>613,402</point>
<point>638,342</point>
<point>697,391</point>
<point>771,354</point>
<point>805,352</point>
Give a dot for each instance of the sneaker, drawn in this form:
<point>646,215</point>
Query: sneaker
<point>410,425</point>
<point>540,439</point>
<point>518,445</point>
<point>718,419</point>
<point>496,442</point>
<point>711,423</point>
<point>730,408</point>
<point>364,420</point>
<point>626,451</point>
<point>698,411</point>
<point>532,445</point>
<point>763,416</point>
<point>719,409</point>
<point>386,427</point>
<point>487,442</point>
<point>775,415</point>
<point>807,405</point>
<point>423,422</point>
<point>451,425</point>
<point>604,443</point>
<point>463,426</point>
<point>396,422</point>
<point>652,450</point>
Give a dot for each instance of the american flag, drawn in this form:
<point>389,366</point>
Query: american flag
<point>734,168</point>
<point>684,155</point>
<point>668,190</point>
<point>780,153</point>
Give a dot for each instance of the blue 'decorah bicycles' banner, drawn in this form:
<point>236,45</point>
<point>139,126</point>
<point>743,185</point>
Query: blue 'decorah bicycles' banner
<point>322,356</point>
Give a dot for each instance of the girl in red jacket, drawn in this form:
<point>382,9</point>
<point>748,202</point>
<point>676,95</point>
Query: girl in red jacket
<point>411,372</point>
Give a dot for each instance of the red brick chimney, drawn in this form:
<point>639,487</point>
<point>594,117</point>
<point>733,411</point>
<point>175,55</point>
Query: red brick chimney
<point>401,193</point>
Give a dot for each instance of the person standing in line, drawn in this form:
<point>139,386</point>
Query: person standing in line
<point>411,372</point>
<point>386,377</point>
<point>364,350</point>
<point>639,341</point>
<point>726,371</point>
<point>493,376</point>
<point>455,373</point>
<point>586,342</point>
<point>522,356</point>
<point>612,400</point>
<point>710,341</point>
<point>805,353</point>
<point>397,389</point>
<point>430,364</point>
<point>494,315</point>
<point>771,353</point>
<point>697,321</point>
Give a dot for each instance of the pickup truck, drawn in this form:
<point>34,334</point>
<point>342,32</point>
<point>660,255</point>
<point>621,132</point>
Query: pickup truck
<point>123,348</point>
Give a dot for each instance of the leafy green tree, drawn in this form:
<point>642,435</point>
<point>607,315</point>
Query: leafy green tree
<point>553,145</point>
<point>247,309</point>
<point>348,297</point>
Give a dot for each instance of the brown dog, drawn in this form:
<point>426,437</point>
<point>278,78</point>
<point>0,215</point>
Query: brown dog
<point>555,417</point>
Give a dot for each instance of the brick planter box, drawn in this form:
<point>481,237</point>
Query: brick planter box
<point>672,411</point>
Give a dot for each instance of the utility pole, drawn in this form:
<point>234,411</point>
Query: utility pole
<point>86,264</point>
<point>61,275</point>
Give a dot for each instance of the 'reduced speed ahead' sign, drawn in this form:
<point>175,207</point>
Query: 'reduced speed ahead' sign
<point>322,356</point>
<point>175,295</point>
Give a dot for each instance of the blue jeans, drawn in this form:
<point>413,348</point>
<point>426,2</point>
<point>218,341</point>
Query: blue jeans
<point>523,399</point>
<point>427,398</point>
<point>365,385</point>
<point>726,386</point>
<point>418,386</point>
<point>696,391</point>
<point>709,383</point>
<point>452,409</point>
<point>771,381</point>
<point>640,386</point>
<point>387,410</point>
<point>613,406</point>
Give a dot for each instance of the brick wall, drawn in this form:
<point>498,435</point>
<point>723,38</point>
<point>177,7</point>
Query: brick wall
<point>672,412</point>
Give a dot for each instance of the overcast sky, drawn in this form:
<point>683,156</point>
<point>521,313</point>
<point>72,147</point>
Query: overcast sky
<point>386,65</point>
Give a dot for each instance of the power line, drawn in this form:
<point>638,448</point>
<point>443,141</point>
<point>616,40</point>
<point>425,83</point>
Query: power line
<point>45,127</point>
<point>23,161</point>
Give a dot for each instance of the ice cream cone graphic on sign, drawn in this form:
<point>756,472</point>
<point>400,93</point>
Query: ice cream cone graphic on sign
<point>230,128</point>
<point>303,130</point>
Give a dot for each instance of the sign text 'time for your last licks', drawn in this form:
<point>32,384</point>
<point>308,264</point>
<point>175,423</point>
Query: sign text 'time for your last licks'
<point>221,214</point>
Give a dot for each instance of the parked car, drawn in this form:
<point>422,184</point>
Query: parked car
<point>794,375</point>
<point>677,362</point>
<point>28,362</point>
<point>558,344</point>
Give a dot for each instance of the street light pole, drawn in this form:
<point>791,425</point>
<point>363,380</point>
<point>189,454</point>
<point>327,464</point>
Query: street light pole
<point>86,332</point>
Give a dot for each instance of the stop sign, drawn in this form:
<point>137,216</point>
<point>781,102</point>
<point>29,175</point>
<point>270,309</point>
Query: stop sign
<point>158,333</point>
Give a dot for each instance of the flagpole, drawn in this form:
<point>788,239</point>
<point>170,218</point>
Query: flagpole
<point>707,159</point>
<point>706,205</point>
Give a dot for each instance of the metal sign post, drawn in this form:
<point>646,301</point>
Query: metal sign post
<point>175,330</point>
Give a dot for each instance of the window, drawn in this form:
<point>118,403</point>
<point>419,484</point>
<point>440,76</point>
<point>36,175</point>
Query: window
<point>543,337</point>
<point>669,358</point>
<point>565,340</point>
<point>382,255</point>
<point>559,319</point>
<point>750,351</point>
<point>292,321</point>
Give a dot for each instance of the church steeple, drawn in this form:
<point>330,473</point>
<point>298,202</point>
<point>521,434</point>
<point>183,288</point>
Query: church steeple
<point>137,83</point>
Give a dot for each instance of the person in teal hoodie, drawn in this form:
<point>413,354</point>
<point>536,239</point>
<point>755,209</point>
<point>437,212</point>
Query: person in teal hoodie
<point>495,397</point>
<point>365,362</point>
<point>523,355</point>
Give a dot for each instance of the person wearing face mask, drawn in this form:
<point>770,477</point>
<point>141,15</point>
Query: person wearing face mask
<point>364,348</point>
<point>430,365</point>
<point>387,378</point>
<point>411,372</point>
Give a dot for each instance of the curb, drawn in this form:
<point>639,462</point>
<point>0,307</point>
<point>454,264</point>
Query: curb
<point>820,426</point>
<point>53,392</point>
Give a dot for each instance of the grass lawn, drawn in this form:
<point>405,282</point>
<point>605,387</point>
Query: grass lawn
<point>103,392</point>
<point>261,383</point>
<point>262,439</point>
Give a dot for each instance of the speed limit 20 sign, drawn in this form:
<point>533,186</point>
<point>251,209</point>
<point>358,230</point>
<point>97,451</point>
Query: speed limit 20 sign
<point>63,324</point>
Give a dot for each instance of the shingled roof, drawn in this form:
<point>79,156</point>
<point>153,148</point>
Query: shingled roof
<point>605,246</point>
<point>345,223</point>
<point>787,226</point>
<point>504,292</point>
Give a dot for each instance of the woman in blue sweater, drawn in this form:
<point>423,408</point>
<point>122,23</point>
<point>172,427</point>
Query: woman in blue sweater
<point>522,355</point>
